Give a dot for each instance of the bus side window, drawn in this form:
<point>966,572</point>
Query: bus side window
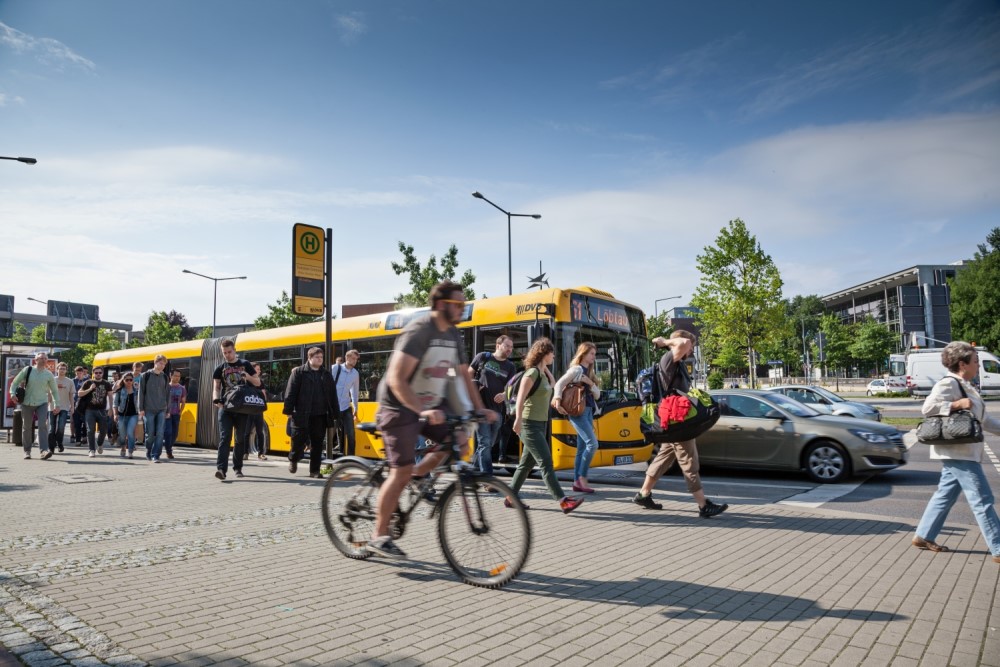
<point>372,365</point>
<point>284,360</point>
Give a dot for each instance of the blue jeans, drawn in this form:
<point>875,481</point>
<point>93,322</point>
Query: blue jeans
<point>154,423</point>
<point>57,427</point>
<point>967,476</point>
<point>586,442</point>
<point>170,432</point>
<point>486,436</point>
<point>231,423</point>
<point>126,431</point>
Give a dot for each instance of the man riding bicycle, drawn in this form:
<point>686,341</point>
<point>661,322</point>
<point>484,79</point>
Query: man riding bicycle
<point>427,373</point>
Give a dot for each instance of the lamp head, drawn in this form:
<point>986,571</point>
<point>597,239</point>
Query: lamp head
<point>477,195</point>
<point>536,217</point>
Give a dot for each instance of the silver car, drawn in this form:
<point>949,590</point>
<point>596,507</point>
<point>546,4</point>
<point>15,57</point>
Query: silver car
<point>827,402</point>
<point>767,430</point>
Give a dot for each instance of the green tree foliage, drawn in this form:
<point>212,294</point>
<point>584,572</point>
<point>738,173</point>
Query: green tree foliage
<point>872,343</point>
<point>159,330</point>
<point>204,334</point>
<point>802,314</point>
<point>740,292</point>
<point>423,277</point>
<point>716,379</point>
<point>180,320</point>
<point>837,343</point>
<point>731,358</point>
<point>19,333</point>
<point>656,325</point>
<point>38,335</point>
<point>279,314</point>
<point>106,341</point>
<point>975,299</point>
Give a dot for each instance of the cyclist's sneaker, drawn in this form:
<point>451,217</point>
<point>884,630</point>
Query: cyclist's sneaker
<point>646,501</point>
<point>386,548</point>
<point>710,509</point>
<point>568,504</point>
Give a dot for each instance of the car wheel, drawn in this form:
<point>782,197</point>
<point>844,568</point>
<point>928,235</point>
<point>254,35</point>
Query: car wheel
<point>826,462</point>
<point>869,392</point>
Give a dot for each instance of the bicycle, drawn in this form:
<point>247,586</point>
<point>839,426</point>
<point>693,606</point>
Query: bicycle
<point>484,542</point>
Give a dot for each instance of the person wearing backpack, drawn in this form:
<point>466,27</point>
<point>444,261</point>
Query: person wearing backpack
<point>672,376</point>
<point>531,420</point>
<point>581,371</point>
<point>490,372</point>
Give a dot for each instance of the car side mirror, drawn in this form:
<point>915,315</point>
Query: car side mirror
<point>774,414</point>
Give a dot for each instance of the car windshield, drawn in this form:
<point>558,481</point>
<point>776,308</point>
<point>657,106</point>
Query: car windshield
<point>791,405</point>
<point>829,395</point>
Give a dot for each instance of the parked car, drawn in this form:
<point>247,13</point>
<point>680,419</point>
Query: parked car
<point>878,386</point>
<point>768,430</point>
<point>825,401</point>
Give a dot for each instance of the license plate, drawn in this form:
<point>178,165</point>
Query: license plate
<point>623,460</point>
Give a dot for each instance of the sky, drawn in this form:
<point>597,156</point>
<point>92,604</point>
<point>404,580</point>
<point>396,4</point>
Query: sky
<point>854,139</point>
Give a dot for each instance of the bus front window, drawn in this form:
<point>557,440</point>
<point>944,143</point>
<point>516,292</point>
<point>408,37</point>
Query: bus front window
<point>619,358</point>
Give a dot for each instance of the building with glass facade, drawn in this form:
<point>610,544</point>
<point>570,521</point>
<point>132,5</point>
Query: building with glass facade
<point>912,302</point>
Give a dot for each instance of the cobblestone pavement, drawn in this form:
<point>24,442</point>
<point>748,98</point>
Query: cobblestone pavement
<point>122,562</point>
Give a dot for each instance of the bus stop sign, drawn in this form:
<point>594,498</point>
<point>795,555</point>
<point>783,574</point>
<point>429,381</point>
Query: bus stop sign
<point>308,275</point>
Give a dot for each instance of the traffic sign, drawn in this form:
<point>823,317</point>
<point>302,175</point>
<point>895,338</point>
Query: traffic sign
<point>72,322</point>
<point>6,316</point>
<point>308,274</point>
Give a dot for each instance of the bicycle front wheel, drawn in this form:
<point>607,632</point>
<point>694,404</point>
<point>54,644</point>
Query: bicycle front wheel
<point>486,543</point>
<point>349,508</point>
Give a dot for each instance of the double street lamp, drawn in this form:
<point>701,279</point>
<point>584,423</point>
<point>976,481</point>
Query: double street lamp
<point>215,292</point>
<point>25,160</point>
<point>510,272</point>
<point>666,298</point>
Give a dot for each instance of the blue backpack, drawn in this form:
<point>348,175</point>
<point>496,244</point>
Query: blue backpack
<point>647,385</point>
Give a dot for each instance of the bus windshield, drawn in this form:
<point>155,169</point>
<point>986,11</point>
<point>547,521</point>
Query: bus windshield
<point>620,357</point>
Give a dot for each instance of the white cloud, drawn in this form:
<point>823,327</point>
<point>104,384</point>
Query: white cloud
<point>6,99</point>
<point>49,51</point>
<point>351,26</point>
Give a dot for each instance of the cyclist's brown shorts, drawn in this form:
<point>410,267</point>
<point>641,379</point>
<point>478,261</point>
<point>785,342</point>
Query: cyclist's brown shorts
<point>400,429</point>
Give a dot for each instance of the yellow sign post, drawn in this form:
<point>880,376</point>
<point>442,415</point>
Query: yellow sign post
<point>308,275</point>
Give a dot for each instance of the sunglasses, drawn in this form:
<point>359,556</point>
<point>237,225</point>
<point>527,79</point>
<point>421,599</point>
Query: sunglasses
<point>128,379</point>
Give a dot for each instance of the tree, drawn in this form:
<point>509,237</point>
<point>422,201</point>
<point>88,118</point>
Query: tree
<point>657,326</point>
<point>38,335</point>
<point>159,330</point>
<point>975,300</point>
<point>837,341</point>
<point>204,334</point>
<point>873,341</point>
<point>106,341</point>
<point>740,292</point>
<point>19,333</point>
<point>280,314</point>
<point>423,277</point>
<point>179,319</point>
<point>731,358</point>
<point>802,314</point>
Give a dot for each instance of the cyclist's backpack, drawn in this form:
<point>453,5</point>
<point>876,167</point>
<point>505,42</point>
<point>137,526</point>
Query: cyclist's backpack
<point>512,387</point>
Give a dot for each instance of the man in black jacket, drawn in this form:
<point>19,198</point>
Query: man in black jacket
<point>311,403</point>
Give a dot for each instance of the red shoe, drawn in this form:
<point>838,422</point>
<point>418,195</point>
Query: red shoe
<point>582,489</point>
<point>568,504</point>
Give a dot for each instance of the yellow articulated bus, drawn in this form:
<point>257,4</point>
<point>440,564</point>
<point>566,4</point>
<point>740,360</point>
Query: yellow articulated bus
<point>567,316</point>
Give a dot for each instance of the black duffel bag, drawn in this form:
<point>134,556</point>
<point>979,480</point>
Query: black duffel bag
<point>244,399</point>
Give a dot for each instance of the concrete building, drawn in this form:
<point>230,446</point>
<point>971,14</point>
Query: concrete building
<point>912,302</point>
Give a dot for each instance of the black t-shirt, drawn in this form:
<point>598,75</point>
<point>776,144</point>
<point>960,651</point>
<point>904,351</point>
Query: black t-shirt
<point>673,374</point>
<point>97,399</point>
<point>231,373</point>
<point>493,377</point>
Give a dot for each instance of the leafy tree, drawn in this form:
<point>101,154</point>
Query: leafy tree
<point>656,325</point>
<point>38,335</point>
<point>106,341</point>
<point>873,342</point>
<point>19,333</point>
<point>740,291</point>
<point>716,379</point>
<point>423,277</point>
<point>731,358</point>
<point>159,330</point>
<point>975,300</point>
<point>279,314</point>
<point>179,319</point>
<point>204,334</point>
<point>837,341</point>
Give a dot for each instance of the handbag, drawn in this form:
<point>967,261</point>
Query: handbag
<point>244,399</point>
<point>959,428</point>
<point>20,392</point>
<point>573,399</point>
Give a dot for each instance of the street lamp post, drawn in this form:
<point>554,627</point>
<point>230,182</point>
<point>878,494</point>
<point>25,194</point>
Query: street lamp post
<point>25,160</point>
<point>666,298</point>
<point>215,291</point>
<point>510,271</point>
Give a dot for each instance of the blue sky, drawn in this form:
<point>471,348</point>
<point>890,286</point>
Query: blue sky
<point>854,139</point>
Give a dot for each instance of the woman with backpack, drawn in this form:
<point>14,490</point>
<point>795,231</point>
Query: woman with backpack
<point>531,419</point>
<point>581,371</point>
<point>125,413</point>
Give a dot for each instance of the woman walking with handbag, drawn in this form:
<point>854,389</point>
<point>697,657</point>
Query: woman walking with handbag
<point>125,413</point>
<point>581,371</point>
<point>531,420</point>
<point>961,464</point>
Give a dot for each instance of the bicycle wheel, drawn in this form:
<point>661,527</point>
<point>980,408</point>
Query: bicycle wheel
<point>486,543</point>
<point>349,508</point>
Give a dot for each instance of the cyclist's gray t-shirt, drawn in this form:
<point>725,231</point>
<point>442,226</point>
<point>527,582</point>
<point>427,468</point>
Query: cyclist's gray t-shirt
<point>440,354</point>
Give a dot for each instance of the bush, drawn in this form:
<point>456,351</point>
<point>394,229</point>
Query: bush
<point>716,379</point>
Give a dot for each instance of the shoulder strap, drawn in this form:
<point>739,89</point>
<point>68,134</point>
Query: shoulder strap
<point>960,388</point>
<point>336,377</point>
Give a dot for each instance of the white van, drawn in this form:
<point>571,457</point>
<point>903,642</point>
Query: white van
<point>924,369</point>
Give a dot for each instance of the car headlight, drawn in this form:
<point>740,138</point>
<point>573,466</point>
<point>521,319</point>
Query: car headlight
<point>871,436</point>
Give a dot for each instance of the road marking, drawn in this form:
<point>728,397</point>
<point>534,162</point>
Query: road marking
<point>993,457</point>
<point>820,495</point>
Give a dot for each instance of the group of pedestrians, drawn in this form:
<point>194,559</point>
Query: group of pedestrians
<point>97,409</point>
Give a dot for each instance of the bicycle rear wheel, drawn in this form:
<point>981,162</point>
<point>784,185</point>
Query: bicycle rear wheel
<point>486,543</point>
<point>349,508</point>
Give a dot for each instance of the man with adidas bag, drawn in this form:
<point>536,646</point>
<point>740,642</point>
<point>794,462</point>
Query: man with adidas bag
<point>490,372</point>
<point>672,375</point>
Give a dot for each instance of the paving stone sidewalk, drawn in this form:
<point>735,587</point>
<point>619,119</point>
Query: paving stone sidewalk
<point>121,562</point>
